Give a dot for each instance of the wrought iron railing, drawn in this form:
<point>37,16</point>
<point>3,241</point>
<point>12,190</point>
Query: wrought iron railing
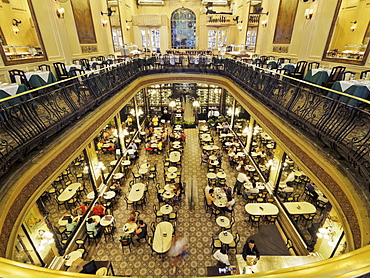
<point>29,119</point>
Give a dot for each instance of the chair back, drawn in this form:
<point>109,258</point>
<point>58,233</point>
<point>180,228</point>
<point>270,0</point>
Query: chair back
<point>44,67</point>
<point>18,76</point>
<point>60,69</point>
<point>111,56</point>
<point>347,75</point>
<point>76,72</point>
<point>336,73</point>
<point>100,58</point>
<point>263,59</point>
<point>301,67</point>
<point>365,74</point>
<point>77,62</point>
<point>313,65</point>
<point>85,64</point>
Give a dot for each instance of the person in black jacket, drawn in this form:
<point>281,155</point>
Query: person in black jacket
<point>250,249</point>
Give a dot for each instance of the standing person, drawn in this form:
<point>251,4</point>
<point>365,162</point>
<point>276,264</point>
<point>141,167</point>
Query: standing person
<point>177,250</point>
<point>222,258</point>
<point>240,180</point>
<point>250,249</point>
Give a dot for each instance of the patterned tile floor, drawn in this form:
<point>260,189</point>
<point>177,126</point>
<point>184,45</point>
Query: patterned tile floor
<point>193,222</point>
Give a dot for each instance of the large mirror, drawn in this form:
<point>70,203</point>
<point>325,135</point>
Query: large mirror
<point>20,37</point>
<point>116,26</point>
<point>348,40</point>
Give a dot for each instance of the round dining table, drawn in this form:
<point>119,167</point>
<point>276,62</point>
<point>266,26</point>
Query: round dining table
<point>109,195</point>
<point>172,169</point>
<point>106,220</point>
<point>222,221</point>
<point>166,209</point>
<point>129,228</point>
<point>225,237</point>
<point>69,192</point>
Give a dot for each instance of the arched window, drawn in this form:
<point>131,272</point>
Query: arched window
<point>183,28</point>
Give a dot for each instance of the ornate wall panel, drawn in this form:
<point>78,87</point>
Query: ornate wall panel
<point>84,22</point>
<point>285,21</point>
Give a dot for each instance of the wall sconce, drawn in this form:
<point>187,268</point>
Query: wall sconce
<point>60,13</point>
<point>264,23</point>
<point>110,12</point>
<point>15,24</point>
<point>353,27</point>
<point>104,22</point>
<point>15,29</point>
<point>308,14</point>
<point>128,27</point>
<point>240,28</point>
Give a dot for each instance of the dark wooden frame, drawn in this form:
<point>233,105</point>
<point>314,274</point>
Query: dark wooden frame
<point>120,23</point>
<point>38,34</point>
<point>341,60</point>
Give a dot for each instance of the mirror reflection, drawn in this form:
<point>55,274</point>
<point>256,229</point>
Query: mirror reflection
<point>19,34</point>
<point>349,38</point>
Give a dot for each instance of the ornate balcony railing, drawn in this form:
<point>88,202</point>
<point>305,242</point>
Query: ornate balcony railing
<point>29,119</point>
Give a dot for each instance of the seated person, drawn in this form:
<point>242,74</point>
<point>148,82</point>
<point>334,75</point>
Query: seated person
<point>71,224</point>
<point>177,192</point>
<point>222,257</point>
<point>132,218</point>
<point>117,188</point>
<point>148,147</point>
<point>98,210</point>
<point>182,136</point>
<point>230,204</point>
<point>205,156</point>
<point>208,187</point>
<point>209,197</point>
<point>140,231</point>
<point>92,226</point>
<point>81,209</point>
<point>227,189</point>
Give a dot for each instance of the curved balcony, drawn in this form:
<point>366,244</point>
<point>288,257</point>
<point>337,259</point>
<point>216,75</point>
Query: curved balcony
<point>35,116</point>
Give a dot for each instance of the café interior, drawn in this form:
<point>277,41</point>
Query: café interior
<point>81,82</point>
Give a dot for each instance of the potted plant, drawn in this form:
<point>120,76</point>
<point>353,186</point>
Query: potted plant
<point>189,124</point>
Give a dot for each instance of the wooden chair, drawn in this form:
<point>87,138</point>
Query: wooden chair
<point>18,76</point>
<point>234,243</point>
<point>230,226</point>
<point>44,67</point>
<point>124,243</point>
<point>216,244</point>
<point>313,65</point>
<point>128,202</point>
<point>364,74</point>
<point>61,71</point>
<point>347,75</point>
<point>76,72</point>
<point>85,64</point>
<point>255,219</point>
<point>157,213</point>
<point>271,219</point>
<point>77,62</point>
<point>335,75</point>
<point>299,70</point>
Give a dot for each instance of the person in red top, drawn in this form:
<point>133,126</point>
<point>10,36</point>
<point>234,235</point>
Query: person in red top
<point>98,210</point>
<point>81,209</point>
